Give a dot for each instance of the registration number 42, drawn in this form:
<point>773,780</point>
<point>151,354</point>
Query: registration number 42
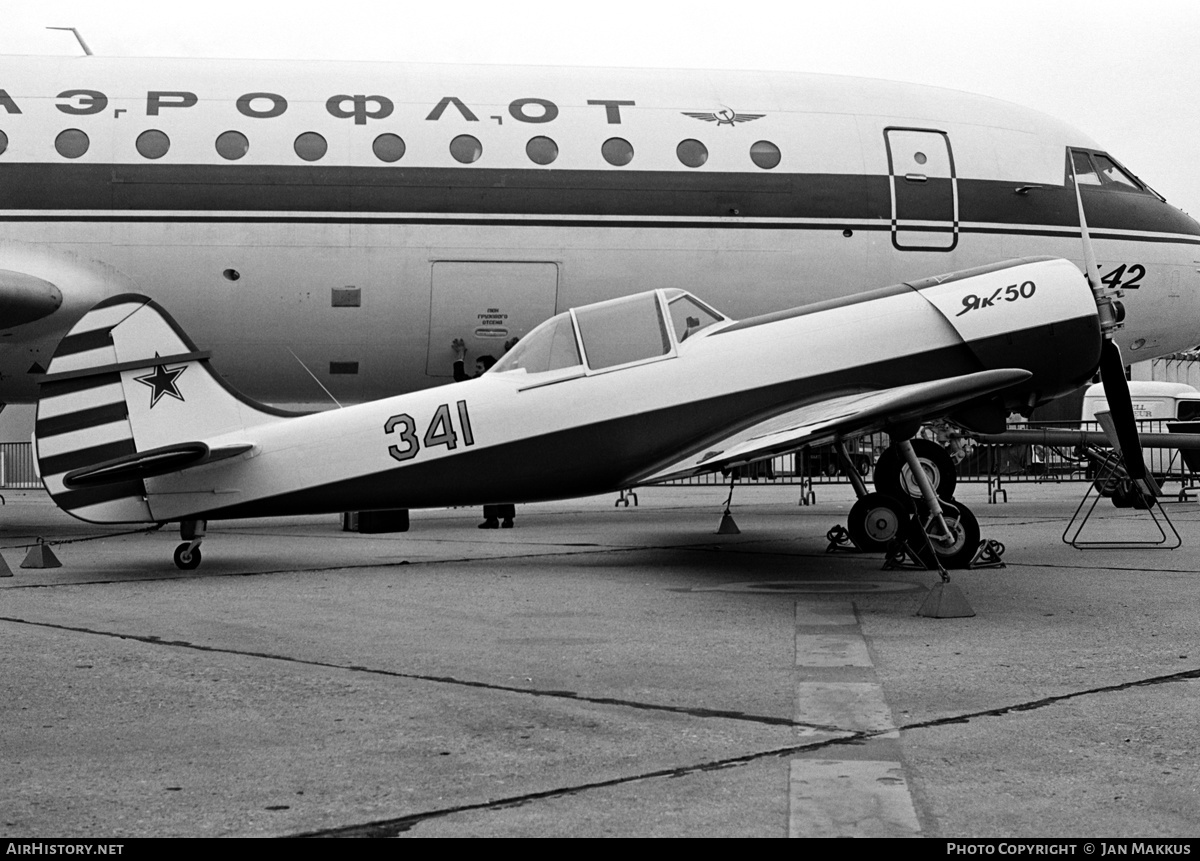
<point>440,431</point>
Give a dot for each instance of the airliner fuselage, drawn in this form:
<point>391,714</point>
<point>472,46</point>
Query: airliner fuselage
<point>348,221</point>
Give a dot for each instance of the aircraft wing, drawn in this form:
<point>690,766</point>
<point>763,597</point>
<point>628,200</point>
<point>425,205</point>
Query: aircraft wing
<point>822,421</point>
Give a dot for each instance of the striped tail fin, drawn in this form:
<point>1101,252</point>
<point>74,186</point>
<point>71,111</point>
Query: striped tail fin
<point>127,389</point>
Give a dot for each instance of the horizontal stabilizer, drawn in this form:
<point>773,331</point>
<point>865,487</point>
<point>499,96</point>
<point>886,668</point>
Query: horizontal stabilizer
<point>838,415</point>
<point>146,464</point>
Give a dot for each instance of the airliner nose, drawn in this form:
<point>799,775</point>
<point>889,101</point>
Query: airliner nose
<point>24,298</point>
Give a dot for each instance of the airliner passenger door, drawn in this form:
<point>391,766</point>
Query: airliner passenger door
<point>924,190</point>
<point>486,303</point>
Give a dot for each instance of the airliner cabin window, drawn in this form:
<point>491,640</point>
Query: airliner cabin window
<point>152,144</point>
<point>688,316</point>
<point>764,154</point>
<point>692,153</point>
<point>1084,172</point>
<point>617,151</point>
<point>388,147</point>
<point>466,149</point>
<point>3,142</point>
<point>541,150</point>
<point>1110,174</point>
<point>622,331</point>
<point>310,146</point>
<point>71,143</point>
<point>549,347</point>
<point>232,145</point>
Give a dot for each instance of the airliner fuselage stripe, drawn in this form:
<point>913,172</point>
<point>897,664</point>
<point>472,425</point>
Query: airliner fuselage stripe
<point>535,198</point>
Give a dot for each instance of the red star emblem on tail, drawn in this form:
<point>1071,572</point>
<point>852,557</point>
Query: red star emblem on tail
<point>162,382</point>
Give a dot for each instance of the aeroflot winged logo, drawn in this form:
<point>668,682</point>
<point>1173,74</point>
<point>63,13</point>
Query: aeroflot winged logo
<point>723,117</point>
<point>162,382</point>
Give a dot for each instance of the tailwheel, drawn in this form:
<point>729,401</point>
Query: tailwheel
<point>953,551</point>
<point>187,557</point>
<point>894,477</point>
<point>875,520</point>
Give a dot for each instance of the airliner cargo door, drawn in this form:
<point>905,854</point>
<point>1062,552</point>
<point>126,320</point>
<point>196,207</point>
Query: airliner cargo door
<point>924,190</point>
<point>486,303</point>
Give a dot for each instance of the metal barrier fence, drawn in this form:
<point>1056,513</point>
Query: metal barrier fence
<point>994,465</point>
<point>16,466</point>
<point>976,462</point>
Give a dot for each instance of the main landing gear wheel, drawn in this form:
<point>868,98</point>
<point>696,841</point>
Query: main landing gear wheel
<point>894,478</point>
<point>955,552</point>
<point>875,520</point>
<point>187,558</point>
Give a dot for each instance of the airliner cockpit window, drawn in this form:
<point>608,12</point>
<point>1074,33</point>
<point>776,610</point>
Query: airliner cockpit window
<point>549,347</point>
<point>622,331</point>
<point>1111,174</point>
<point>1085,173</point>
<point>688,316</point>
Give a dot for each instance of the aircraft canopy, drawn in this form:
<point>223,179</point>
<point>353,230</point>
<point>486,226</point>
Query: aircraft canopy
<point>610,334</point>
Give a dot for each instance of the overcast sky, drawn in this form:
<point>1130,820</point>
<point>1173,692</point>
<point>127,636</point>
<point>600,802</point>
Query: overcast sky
<point>1127,73</point>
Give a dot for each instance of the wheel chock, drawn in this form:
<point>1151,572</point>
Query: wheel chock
<point>41,556</point>
<point>900,555</point>
<point>728,527</point>
<point>988,555</point>
<point>5,571</point>
<point>945,601</point>
<point>839,540</point>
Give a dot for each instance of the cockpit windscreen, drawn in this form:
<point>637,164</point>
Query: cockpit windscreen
<point>549,347</point>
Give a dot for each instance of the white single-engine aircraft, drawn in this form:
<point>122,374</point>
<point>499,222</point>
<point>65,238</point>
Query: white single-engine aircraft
<point>361,216</point>
<point>134,425</point>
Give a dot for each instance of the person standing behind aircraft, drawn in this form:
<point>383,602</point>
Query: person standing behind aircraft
<point>494,516</point>
<point>482,364</point>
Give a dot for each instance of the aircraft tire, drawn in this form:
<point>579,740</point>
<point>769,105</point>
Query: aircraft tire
<point>893,477</point>
<point>965,527</point>
<point>1128,496</point>
<point>875,519</point>
<point>184,560</point>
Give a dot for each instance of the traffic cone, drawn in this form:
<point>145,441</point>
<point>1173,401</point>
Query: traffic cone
<point>945,601</point>
<point>728,527</point>
<point>5,571</point>
<point>41,556</point>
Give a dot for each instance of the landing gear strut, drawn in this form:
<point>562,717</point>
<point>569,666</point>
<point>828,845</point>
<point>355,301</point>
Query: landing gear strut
<point>895,475</point>
<point>187,554</point>
<point>948,530</point>
<point>876,518</point>
<point>950,534</point>
<point>913,475</point>
<point>952,549</point>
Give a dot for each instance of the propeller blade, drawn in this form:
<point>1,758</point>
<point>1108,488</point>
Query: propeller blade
<point>1091,269</point>
<point>1120,406</point>
<point>1107,308</point>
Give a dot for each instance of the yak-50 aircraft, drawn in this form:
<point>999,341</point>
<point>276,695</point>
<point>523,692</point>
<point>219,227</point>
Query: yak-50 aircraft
<point>135,425</point>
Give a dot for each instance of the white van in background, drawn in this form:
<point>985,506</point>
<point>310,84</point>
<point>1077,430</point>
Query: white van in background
<point>1151,400</point>
<point>1165,402</point>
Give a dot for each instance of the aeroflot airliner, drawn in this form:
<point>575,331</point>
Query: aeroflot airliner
<point>336,225</point>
